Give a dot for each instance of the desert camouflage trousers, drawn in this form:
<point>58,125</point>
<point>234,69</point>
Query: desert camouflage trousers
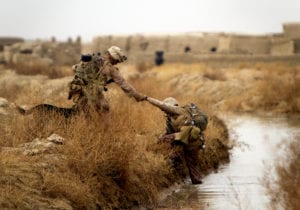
<point>98,104</point>
<point>188,153</point>
<point>89,97</point>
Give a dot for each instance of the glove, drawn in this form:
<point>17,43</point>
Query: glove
<point>140,97</point>
<point>144,98</point>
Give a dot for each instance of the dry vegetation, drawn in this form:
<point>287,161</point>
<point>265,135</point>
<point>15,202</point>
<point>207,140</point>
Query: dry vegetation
<point>285,189</point>
<point>30,68</point>
<point>259,87</point>
<point>113,161</point>
<point>276,88</point>
<point>109,161</point>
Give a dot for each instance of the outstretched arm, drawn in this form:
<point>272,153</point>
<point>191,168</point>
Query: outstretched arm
<point>124,85</point>
<point>164,106</point>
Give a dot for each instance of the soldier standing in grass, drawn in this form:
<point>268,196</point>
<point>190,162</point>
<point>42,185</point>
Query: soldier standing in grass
<point>185,126</point>
<point>93,74</point>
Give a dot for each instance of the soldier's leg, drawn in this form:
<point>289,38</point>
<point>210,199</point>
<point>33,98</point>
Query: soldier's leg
<point>84,106</point>
<point>102,104</point>
<point>177,157</point>
<point>193,164</point>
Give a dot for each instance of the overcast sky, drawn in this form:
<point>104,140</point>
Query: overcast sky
<point>33,19</point>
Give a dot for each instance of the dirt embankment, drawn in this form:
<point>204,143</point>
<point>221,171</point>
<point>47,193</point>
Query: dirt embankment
<point>109,161</point>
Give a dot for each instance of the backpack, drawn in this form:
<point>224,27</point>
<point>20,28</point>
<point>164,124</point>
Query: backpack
<point>195,116</point>
<point>88,79</point>
<point>88,70</point>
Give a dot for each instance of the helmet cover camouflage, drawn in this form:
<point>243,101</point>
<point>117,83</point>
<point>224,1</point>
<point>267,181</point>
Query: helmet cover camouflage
<point>117,53</point>
<point>171,101</point>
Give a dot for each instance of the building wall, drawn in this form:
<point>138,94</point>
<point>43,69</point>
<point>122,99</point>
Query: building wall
<point>197,43</point>
<point>297,45</point>
<point>186,45</point>
<point>148,44</point>
<point>292,30</point>
<point>9,41</point>
<point>282,47</point>
<point>139,44</point>
<point>224,44</point>
<point>249,44</point>
<point>60,53</point>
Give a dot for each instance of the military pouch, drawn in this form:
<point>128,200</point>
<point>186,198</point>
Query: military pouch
<point>195,131</point>
<point>184,134</point>
<point>187,134</point>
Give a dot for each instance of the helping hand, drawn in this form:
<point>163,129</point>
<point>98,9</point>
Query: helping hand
<point>141,98</point>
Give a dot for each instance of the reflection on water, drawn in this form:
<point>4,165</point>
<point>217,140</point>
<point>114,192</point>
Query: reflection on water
<point>238,185</point>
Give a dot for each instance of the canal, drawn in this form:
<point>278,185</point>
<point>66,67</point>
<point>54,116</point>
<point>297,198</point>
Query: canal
<point>258,143</point>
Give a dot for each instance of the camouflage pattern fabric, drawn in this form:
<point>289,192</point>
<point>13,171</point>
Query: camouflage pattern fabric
<point>91,80</point>
<point>195,117</point>
<point>181,129</point>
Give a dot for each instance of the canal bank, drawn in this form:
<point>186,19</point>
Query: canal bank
<point>258,143</point>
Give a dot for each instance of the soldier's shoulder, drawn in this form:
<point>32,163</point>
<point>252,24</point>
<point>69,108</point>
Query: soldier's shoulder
<point>110,66</point>
<point>105,62</point>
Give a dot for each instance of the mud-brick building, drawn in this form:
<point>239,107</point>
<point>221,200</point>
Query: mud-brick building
<point>292,31</point>
<point>44,52</point>
<point>244,44</point>
<point>281,45</point>
<point>6,41</point>
<point>143,47</point>
<point>190,47</point>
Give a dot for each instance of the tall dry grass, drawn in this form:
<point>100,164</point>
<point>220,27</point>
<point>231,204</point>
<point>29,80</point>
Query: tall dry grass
<point>10,91</point>
<point>268,87</point>
<point>143,66</point>
<point>36,68</point>
<point>285,188</point>
<point>280,88</point>
<point>109,161</point>
<point>112,157</point>
<point>273,87</point>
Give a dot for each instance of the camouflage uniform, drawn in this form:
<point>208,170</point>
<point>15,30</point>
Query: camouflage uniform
<point>91,79</point>
<point>181,132</point>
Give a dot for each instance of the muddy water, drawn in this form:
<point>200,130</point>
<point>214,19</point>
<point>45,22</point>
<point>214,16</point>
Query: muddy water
<point>239,184</point>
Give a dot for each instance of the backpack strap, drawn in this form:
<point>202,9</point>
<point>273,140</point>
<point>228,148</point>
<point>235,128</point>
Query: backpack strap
<point>196,116</point>
<point>189,117</point>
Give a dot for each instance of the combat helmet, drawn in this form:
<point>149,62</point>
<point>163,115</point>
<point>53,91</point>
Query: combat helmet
<point>117,53</point>
<point>171,101</point>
